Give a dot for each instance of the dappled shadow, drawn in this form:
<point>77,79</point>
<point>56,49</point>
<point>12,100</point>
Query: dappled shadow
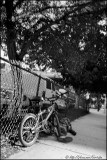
<point>65,140</point>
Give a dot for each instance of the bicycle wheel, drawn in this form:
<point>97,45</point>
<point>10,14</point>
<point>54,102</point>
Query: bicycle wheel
<point>59,130</point>
<point>28,133</point>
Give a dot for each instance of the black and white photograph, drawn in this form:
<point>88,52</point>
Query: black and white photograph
<point>53,68</point>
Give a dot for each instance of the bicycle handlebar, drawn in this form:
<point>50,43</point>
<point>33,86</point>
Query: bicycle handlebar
<point>55,97</point>
<point>51,98</point>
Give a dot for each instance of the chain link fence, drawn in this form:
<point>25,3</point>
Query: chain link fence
<point>33,85</point>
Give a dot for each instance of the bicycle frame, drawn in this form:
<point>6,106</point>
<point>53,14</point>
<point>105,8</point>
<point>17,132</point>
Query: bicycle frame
<point>45,120</point>
<point>41,124</point>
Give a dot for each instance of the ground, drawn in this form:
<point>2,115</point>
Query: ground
<point>8,148</point>
<point>89,143</point>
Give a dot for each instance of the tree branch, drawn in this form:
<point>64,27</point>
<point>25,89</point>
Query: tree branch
<point>52,22</point>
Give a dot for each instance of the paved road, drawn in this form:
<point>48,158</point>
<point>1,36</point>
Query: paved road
<point>89,143</point>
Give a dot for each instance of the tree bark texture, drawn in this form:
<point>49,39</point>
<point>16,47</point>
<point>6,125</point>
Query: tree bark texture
<point>16,72</point>
<point>16,101</point>
<point>17,97</point>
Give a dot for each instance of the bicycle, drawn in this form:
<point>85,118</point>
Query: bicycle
<point>46,120</point>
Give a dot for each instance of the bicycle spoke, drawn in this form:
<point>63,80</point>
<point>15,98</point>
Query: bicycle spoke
<point>28,137</point>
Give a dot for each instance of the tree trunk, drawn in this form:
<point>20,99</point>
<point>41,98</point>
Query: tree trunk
<point>77,99</point>
<point>16,101</point>
<point>16,72</point>
<point>17,97</point>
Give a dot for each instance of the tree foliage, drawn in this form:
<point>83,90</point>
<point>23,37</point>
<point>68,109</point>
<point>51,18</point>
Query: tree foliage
<point>62,35</point>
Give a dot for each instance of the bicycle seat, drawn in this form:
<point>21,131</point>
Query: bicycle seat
<point>46,104</point>
<point>34,98</point>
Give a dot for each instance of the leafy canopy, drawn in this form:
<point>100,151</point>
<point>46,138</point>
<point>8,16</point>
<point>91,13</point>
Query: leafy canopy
<point>62,35</point>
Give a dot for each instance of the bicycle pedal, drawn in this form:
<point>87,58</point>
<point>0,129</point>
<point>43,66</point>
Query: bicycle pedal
<point>72,132</point>
<point>62,137</point>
